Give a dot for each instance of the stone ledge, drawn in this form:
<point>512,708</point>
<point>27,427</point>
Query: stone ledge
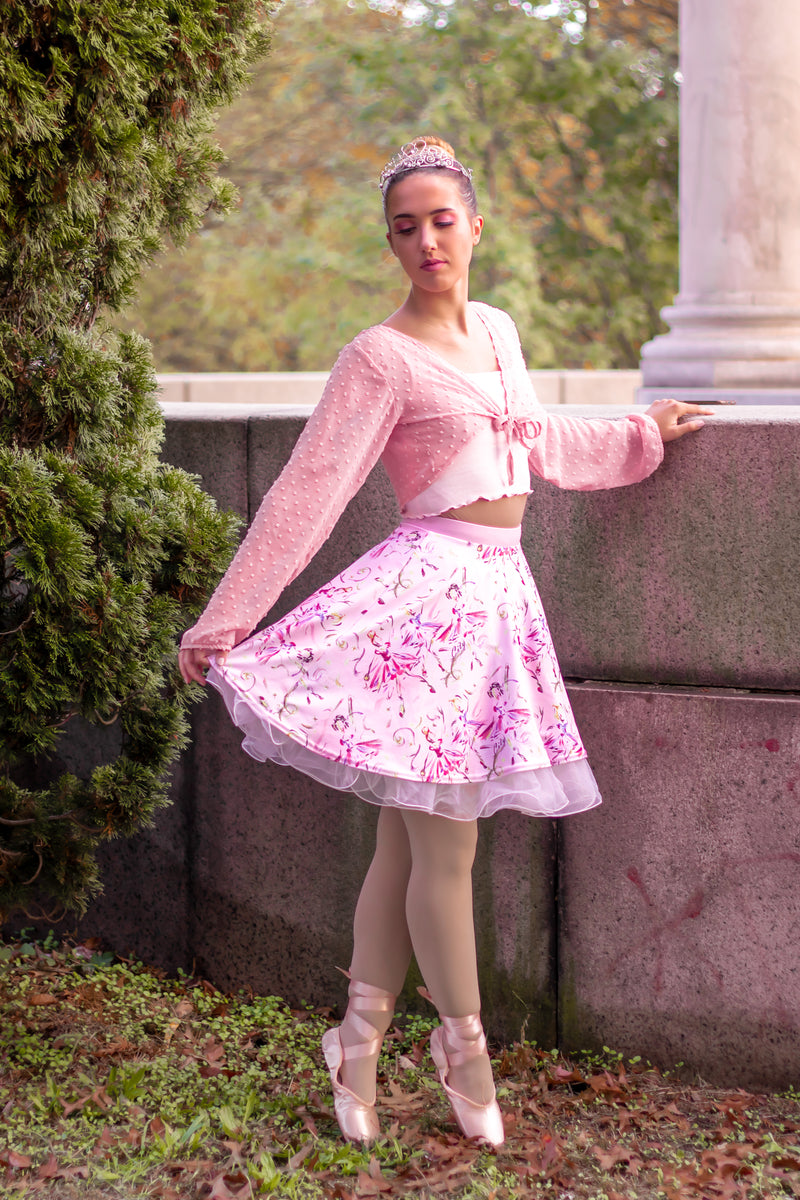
<point>304,388</point>
<point>686,578</point>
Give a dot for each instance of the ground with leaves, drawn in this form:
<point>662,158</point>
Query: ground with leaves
<point>117,1082</point>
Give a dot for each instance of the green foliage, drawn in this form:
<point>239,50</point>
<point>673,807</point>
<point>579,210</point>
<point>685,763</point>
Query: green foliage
<point>105,113</point>
<point>117,1082</point>
<point>570,124</point>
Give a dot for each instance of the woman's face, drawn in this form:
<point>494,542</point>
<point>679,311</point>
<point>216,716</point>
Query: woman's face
<point>430,230</point>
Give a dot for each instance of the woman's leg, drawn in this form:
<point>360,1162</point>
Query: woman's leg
<point>418,890</point>
<point>381,942</point>
<point>442,928</point>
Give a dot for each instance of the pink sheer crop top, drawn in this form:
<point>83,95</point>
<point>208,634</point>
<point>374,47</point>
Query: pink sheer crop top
<point>482,470</point>
<point>392,397</point>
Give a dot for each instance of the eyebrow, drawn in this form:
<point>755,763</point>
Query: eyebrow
<point>412,216</point>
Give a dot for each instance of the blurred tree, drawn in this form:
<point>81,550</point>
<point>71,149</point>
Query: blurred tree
<point>107,553</point>
<point>569,121</point>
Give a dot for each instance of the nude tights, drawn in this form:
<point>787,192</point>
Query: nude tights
<point>418,896</point>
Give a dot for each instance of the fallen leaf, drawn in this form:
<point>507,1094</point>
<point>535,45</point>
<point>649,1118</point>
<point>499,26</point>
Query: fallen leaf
<point>122,1046</point>
<point>172,1025</point>
<point>567,1075</point>
<point>786,1162</point>
<point>613,1157</point>
<point>369,1186</point>
<point>104,1141</point>
<point>213,1050</point>
<point>217,1189</point>
<point>302,1153</point>
<point>17,1162</point>
<point>48,1169</point>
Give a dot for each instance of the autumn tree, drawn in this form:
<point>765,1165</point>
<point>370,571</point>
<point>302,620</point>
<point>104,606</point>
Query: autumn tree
<point>105,150</point>
<point>570,122</point>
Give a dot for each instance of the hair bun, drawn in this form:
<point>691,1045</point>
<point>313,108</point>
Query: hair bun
<point>430,139</point>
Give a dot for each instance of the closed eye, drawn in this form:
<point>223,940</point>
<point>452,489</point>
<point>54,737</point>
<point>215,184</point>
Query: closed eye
<point>411,228</point>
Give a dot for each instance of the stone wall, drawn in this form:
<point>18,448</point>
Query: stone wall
<point>663,923</point>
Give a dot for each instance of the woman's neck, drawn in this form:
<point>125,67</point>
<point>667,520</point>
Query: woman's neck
<point>449,328</point>
<point>446,312</point>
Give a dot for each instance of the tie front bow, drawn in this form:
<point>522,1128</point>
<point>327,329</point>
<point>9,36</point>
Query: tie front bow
<point>524,429</point>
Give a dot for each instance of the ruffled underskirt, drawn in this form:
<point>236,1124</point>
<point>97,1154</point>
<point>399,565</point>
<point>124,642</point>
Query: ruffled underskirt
<point>555,791</point>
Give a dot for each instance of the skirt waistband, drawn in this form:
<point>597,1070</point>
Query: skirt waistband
<point>465,531</point>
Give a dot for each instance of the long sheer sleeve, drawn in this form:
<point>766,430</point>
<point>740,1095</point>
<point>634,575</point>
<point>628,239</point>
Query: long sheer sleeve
<point>340,444</point>
<point>587,454</point>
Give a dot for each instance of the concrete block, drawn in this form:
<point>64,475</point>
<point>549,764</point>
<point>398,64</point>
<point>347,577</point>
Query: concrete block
<point>680,896</point>
<point>143,910</point>
<point>239,387</point>
<point>211,443</point>
<point>277,865</point>
<point>515,923</point>
<point>172,389</point>
<point>547,385</point>
<point>689,577</point>
<point>600,387</point>
<point>304,388</point>
<point>762,397</point>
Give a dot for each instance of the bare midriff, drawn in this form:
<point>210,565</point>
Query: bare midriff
<point>505,513</point>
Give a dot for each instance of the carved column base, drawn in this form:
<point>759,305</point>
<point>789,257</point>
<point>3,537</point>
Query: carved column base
<point>747,353</point>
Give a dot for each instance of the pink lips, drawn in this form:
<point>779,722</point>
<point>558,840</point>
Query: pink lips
<point>432,263</point>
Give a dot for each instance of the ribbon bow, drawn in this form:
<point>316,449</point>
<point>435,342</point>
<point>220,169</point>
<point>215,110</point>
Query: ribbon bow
<point>525,429</point>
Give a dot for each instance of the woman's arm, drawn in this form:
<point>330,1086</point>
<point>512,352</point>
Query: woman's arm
<point>340,444</point>
<point>581,454</point>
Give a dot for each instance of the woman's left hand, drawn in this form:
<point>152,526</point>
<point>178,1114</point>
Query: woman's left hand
<point>667,415</point>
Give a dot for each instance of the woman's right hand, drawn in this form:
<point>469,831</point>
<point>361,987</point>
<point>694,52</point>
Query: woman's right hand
<point>194,663</point>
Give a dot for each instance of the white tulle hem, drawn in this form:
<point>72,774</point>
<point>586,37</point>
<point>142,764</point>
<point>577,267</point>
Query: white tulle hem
<point>555,791</point>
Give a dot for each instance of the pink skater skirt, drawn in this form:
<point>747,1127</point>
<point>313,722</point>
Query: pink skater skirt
<point>422,677</point>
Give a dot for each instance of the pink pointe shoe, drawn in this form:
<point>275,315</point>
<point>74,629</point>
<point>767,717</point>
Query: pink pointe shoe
<point>357,1118</point>
<point>481,1121</point>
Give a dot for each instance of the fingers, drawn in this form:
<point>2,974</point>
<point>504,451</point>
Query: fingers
<point>679,430</point>
<point>192,664</point>
<point>668,414</point>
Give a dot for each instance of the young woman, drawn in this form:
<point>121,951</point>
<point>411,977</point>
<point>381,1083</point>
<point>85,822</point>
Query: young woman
<point>423,677</point>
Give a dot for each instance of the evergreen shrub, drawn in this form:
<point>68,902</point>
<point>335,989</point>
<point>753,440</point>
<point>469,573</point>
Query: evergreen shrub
<point>106,152</point>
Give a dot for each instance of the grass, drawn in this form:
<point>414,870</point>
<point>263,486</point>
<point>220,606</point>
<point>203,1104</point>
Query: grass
<point>117,1082</point>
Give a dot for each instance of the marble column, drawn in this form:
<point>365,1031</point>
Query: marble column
<point>735,324</point>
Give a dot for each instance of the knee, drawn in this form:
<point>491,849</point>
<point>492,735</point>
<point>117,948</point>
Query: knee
<point>442,846</point>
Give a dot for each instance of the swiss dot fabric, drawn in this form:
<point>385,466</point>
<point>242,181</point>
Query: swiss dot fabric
<point>391,396</point>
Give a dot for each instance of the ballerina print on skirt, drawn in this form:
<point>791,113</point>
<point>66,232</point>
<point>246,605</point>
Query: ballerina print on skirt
<point>439,668</point>
<point>353,751</point>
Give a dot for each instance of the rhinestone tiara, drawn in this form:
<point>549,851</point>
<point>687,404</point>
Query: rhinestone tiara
<point>419,153</point>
